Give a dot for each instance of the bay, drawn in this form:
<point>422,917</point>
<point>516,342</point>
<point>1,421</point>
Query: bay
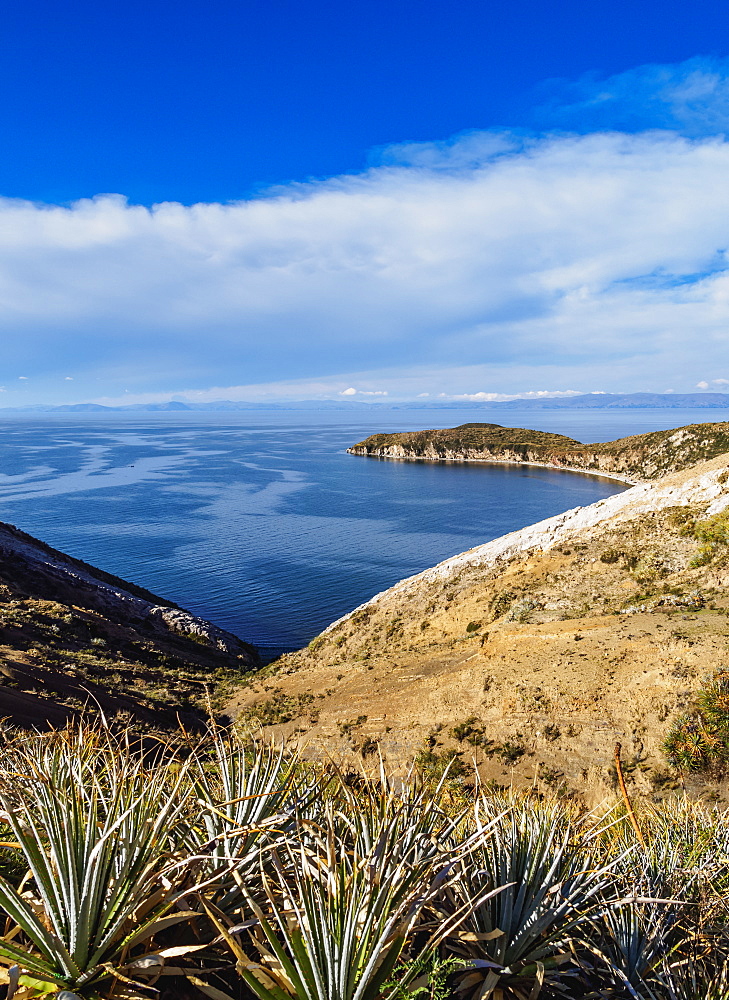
<point>260,521</point>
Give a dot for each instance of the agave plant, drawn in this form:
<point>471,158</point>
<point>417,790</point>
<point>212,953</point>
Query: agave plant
<point>340,910</point>
<point>518,939</point>
<point>695,744</point>
<point>96,827</point>
<point>687,980</point>
<point>631,939</point>
<point>669,905</point>
<point>397,821</point>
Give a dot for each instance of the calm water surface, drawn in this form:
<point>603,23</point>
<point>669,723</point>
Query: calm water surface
<point>260,521</point>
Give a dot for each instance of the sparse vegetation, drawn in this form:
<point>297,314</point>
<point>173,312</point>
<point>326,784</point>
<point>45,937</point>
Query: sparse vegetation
<point>471,730</point>
<point>435,765</point>
<point>713,535</point>
<point>610,556</point>
<point>520,611</point>
<point>278,709</point>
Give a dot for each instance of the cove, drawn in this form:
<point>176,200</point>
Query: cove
<point>261,522</point>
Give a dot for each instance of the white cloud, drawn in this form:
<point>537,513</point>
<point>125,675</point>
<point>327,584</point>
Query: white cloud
<point>498,262</point>
<point>492,397</point>
<point>718,383</point>
<point>363,392</point>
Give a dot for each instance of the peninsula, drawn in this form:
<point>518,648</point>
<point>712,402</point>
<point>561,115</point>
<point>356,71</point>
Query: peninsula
<point>635,459</point>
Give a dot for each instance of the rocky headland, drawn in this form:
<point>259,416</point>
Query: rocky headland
<point>73,637</point>
<point>634,459</point>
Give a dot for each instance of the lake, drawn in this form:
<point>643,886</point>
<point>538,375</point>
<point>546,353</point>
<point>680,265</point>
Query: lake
<point>259,521</point>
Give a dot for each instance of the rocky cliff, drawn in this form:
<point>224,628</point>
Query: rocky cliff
<point>639,458</point>
<point>531,655</point>
<point>72,635</point>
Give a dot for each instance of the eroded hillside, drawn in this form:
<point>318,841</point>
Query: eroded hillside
<point>73,636</point>
<point>639,458</point>
<point>533,654</point>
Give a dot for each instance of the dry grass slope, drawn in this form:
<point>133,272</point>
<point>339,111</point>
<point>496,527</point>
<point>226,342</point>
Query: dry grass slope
<point>531,655</point>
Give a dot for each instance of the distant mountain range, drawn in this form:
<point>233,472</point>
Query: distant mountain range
<point>588,401</point>
<point>623,401</point>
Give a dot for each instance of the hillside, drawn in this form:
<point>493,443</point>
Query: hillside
<point>72,635</point>
<point>533,654</point>
<point>638,458</point>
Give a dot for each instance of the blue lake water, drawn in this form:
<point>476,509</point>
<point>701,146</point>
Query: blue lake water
<point>261,522</point>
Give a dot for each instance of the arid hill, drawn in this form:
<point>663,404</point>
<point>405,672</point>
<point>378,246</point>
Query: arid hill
<point>532,654</point>
<point>639,458</point>
<point>72,635</point>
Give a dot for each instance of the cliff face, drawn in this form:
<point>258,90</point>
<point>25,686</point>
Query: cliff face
<point>72,635</point>
<point>533,654</point>
<point>638,458</point>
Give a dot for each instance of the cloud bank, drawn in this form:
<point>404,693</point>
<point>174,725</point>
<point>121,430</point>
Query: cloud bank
<point>489,263</point>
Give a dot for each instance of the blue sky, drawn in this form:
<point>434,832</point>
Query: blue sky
<point>369,201</point>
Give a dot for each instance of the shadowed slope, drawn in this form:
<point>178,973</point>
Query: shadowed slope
<point>72,635</point>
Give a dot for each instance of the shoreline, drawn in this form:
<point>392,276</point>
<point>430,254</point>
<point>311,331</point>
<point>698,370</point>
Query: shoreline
<point>505,461</point>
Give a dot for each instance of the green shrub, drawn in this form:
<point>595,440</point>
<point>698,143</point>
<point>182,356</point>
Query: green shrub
<point>201,640</point>
<point>469,730</point>
<point>699,740</point>
<point>612,555</point>
<point>522,609</point>
<point>501,603</point>
<point>433,765</point>
<point>713,534</point>
<point>510,752</point>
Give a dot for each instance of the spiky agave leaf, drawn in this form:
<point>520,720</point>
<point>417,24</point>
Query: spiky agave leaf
<point>96,826</point>
<point>381,821</point>
<point>630,939</point>
<point>695,978</point>
<point>695,743</point>
<point>247,795</point>
<point>670,896</point>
